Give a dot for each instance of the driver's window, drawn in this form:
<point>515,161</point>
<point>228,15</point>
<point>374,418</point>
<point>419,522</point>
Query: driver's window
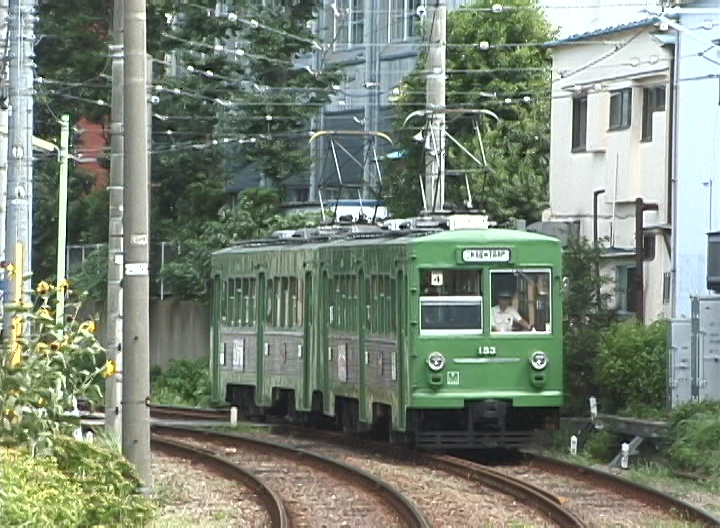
<point>520,301</point>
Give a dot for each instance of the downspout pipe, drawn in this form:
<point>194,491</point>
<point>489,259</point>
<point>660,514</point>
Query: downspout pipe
<point>596,195</point>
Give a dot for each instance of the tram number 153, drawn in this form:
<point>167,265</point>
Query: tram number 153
<point>486,351</point>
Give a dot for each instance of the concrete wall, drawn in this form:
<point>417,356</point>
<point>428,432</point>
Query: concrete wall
<point>178,330</point>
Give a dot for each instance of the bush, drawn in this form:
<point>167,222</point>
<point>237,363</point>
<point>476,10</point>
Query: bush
<point>81,485</point>
<point>632,366</point>
<point>695,438</point>
<point>34,492</point>
<point>186,382</point>
<point>108,482</point>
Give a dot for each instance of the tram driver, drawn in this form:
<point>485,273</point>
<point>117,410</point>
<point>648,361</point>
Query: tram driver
<point>504,316</point>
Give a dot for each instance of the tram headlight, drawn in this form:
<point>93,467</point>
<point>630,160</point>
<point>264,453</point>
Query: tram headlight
<point>436,361</point>
<point>539,360</point>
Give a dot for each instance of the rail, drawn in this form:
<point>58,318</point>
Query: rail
<point>625,487</point>
<point>273,504</point>
<point>404,508</point>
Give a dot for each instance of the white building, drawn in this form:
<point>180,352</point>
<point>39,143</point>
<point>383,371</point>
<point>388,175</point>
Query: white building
<point>610,141</point>
<point>634,114</point>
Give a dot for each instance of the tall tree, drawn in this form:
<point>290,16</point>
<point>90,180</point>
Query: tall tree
<point>72,68</point>
<point>511,78</point>
<point>238,87</point>
<point>215,78</point>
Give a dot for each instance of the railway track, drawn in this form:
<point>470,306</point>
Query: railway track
<point>626,488</point>
<point>307,497</point>
<point>502,479</point>
<point>547,505</point>
<point>273,505</point>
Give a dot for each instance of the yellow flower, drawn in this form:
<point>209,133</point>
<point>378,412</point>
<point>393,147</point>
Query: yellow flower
<point>41,348</point>
<point>63,285</point>
<point>55,345</point>
<point>45,314</point>
<point>42,288</point>
<point>110,369</point>
<point>88,326</point>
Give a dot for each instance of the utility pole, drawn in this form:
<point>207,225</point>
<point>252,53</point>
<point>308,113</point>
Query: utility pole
<point>435,105</point>
<point>20,180</point>
<point>372,78</point>
<point>4,57</point>
<point>136,282</point>
<point>64,158</point>
<point>114,310</point>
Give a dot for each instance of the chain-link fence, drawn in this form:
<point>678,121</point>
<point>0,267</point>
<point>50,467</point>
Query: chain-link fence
<point>161,253</point>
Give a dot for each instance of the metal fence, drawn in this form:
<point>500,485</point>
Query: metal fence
<point>161,254</point>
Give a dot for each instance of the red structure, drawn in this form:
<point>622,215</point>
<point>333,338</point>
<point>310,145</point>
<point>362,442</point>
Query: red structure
<point>93,144</point>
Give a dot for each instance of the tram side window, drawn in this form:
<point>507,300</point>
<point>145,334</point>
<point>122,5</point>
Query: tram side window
<point>451,301</point>
<point>299,294</point>
<point>271,303</point>
<point>224,302</point>
<point>241,291</point>
<point>250,319</point>
<point>441,283</point>
<point>520,300</point>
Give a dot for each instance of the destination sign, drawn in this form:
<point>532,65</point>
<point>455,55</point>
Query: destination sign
<point>486,255</point>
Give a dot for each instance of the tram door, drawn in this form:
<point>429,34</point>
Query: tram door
<point>262,316</point>
<point>323,329</point>
<point>215,340</point>
<point>309,376</point>
<point>398,362</point>
<point>363,358</point>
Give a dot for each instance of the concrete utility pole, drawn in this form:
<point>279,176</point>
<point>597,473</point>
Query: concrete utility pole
<point>64,158</point>
<point>435,103</point>
<point>4,56</point>
<point>372,79</point>
<point>20,179</point>
<point>136,282</point>
<point>114,330</point>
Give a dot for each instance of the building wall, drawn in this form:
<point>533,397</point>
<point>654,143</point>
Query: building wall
<point>698,144</point>
<point>618,161</point>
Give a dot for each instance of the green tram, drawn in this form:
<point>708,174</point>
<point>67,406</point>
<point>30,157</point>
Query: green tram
<point>442,337</point>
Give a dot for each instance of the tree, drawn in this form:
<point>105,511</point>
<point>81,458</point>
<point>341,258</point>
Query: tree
<point>195,115</point>
<point>511,78</point>
<point>587,321</point>
<point>245,100</point>
<point>71,55</point>
<point>256,213</point>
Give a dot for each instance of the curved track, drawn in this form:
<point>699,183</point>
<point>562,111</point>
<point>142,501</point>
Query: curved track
<point>274,506</point>
<point>627,488</point>
<point>540,500</point>
<point>407,512</point>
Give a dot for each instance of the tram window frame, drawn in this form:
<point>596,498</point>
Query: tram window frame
<point>223,302</point>
<point>451,300</point>
<point>241,301</point>
<point>524,291</point>
<point>252,300</point>
<point>300,302</point>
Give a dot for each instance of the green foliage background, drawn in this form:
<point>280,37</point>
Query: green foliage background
<point>514,185</point>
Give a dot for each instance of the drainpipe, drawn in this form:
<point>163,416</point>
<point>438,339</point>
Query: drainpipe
<point>674,108</point>
<point>640,208</point>
<point>596,194</point>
